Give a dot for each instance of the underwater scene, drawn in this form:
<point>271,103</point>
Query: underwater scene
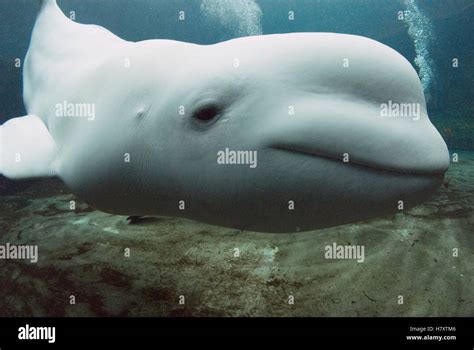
<point>236,158</point>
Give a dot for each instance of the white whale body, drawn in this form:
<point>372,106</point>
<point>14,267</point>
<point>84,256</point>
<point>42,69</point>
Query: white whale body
<point>147,121</point>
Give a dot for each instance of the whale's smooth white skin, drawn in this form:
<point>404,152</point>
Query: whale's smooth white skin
<point>251,83</point>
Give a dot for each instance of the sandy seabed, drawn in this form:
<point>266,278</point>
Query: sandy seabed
<point>81,253</point>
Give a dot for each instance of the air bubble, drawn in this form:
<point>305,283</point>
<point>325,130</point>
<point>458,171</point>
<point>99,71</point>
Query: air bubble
<point>242,17</point>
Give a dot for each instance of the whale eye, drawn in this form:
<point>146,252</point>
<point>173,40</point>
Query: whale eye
<point>207,113</point>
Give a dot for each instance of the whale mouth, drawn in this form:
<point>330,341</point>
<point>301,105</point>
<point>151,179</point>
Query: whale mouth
<point>357,163</point>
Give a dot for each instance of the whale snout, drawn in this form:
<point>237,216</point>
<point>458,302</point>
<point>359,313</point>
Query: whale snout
<point>357,134</point>
<point>370,111</point>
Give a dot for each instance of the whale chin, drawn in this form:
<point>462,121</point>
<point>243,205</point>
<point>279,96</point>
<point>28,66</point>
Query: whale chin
<point>325,193</point>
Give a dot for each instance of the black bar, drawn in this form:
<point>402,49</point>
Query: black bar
<point>365,330</point>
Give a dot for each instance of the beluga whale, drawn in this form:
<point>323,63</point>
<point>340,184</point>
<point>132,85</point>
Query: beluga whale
<point>270,133</point>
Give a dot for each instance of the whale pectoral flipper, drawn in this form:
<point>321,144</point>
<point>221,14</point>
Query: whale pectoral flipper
<point>27,149</point>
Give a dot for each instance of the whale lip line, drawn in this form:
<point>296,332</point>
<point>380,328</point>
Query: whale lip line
<point>311,153</point>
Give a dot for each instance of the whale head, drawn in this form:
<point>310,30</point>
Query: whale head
<point>295,132</point>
